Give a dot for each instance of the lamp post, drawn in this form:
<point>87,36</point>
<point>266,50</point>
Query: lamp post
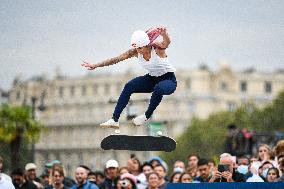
<point>41,107</point>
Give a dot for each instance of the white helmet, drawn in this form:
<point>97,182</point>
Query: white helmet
<point>139,38</point>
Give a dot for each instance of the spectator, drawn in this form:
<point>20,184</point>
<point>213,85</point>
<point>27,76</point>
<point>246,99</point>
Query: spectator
<point>5,183</point>
<point>279,148</point>
<point>134,167</point>
<point>3,175</point>
<point>82,180</point>
<point>185,178</point>
<point>123,170</point>
<point>229,175</point>
<point>281,166</point>
<point>57,178</point>
<point>100,178</point>
<point>179,166</point>
<point>92,177</point>
<point>153,180</point>
<point>204,171</point>
<point>111,175</point>
<point>212,166</point>
<point>263,169</point>
<point>19,181</point>
<point>175,177</point>
<point>147,168</point>
<point>243,160</point>
<point>155,161</point>
<point>127,181</point>
<point>264,153</point>
<point>161,172</point>
<point>192,165</point>
<point>68,182</point>
<point>31,175</point>
<point>272,175</point>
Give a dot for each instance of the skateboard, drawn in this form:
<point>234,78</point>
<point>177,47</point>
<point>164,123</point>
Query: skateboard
<point>138,143</point>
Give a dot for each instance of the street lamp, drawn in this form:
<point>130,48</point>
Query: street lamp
<point>41,107</point>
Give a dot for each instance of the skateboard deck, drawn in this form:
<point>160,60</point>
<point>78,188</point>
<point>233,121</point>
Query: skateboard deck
<point>138,143</point>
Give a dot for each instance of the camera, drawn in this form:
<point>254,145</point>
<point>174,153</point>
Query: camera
<point>223,168</point>
<point>124,183</point>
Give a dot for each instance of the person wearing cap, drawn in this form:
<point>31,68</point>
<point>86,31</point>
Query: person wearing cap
<point>31,174</point>
<point>19,181</point>
<point>111,175</point>
<point>159,81</point>
<point>127,181</point>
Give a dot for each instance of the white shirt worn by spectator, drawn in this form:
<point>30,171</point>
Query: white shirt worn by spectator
<point>142,181</point>
<point>5,184</point>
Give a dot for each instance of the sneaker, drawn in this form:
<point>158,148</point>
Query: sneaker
<point>110,124</point>
<point>140,120</point>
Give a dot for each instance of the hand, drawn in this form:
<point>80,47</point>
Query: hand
<point>216,175</point>
<point>227,175</point>
<point>89,66</point>
<point>162,30</point>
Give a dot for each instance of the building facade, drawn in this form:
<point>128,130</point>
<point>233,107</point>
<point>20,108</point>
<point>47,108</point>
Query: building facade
<point>72,108</point>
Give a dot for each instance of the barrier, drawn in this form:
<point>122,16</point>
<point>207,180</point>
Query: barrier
<point>226,185</point>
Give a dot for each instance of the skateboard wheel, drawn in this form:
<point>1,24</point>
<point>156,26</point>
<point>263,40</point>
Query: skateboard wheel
<point>117,131</point>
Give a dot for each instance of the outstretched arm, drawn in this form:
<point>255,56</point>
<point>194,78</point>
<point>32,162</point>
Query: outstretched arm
<point>166,38</point>
<point>128,54</point>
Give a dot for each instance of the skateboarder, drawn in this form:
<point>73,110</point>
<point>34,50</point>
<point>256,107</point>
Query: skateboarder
<point>159,81</point>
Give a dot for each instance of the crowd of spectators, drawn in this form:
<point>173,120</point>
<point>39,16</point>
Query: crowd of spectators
<point>266,166</point>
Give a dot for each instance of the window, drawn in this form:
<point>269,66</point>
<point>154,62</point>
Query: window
<point>243,86</point>
<point>18,95</point>
<point>95,89</point>
<point>107,88</point>
<point>72,90</point>
<point>231,106</point>
<point>223,86</point>
<point>84,90</point>
<point>187,83</point>
<point>61,91</point>
<point>268,87</point>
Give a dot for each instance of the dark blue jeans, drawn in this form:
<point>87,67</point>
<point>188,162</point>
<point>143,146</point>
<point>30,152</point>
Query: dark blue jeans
<point>162,85</point>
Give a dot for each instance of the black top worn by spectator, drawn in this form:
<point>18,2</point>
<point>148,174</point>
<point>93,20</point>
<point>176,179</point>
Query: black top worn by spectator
<point>109,184</point>
<point>26,185</point>
<point>237,177</point>
<point>200,179</point>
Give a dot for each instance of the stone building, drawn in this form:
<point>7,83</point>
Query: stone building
<point>74,107</point>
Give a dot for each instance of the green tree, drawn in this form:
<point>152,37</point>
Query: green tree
<point>16,127</point>
<point>206,137</point>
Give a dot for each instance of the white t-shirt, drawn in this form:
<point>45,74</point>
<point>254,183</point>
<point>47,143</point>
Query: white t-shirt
<point>5,184</point>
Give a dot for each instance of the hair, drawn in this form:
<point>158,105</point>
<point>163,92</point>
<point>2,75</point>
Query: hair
<point>202,162</point>
<point>268,148</point>
<point>186,173</point>
<point>1,159</point>
<point>160,165</point>
<point>146,164</point>
<point>151,173</point>
<point>191,155</point>
<point>139,163</point>
<point>276,171</point>
<point>212,161</point>
<point>173,175</point>
<point>18,171</point>
<point>121,168</point>
<point>99,173</point>
<point>85,167</point>
<point>59,170</point>
<point>279,148</point>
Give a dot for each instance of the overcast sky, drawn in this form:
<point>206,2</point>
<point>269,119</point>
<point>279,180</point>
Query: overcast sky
<point>36,36</point>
